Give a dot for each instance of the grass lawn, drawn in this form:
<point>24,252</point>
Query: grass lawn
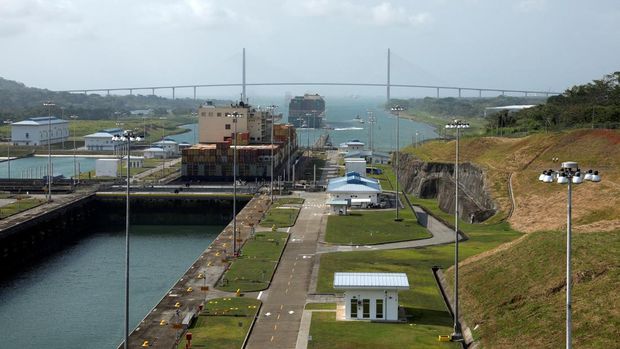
<point>19,206</point>
<point>326,332</point>
<point>281,214</point>
<point>223,323</point>
<point>373,227</point>
<point>321,306</point>
<point>423,303</point>
<point>253,269</point>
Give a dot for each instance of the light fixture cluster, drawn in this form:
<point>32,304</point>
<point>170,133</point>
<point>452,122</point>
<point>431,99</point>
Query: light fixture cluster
<point>457,124</point>
<point>397,108</point>
<point>569,171</point>
<point>126,136</point>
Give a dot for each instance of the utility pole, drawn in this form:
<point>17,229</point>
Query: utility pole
<point>388,76</point>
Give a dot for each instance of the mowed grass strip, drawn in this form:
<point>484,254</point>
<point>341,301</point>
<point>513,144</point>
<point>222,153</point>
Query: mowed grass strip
<point>320,306</point>
<point>19,206</point>
<point>223,323</point>
<point>253,269</point>
<point>283,213</point>
<point>374,227</point>
<point>326,332</point>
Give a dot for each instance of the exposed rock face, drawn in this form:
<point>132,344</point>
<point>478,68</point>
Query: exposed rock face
<point>436,180</point>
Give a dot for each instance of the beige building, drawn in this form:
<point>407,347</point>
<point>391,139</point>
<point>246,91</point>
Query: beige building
<point>214,126</point>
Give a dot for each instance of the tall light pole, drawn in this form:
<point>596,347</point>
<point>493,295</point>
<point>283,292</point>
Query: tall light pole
<point>371,122</point>
<point>458,333</point>
<point>271,109</point>
<point>234,116</point>
<point>569,174</point>
<point>8,148</point>
<point>74,117</point>
<point>127,136</point>
<point>397,109</point>
<point>49,105</point>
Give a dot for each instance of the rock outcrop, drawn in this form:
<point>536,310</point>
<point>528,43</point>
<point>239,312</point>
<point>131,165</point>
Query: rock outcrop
<point>436,180</point>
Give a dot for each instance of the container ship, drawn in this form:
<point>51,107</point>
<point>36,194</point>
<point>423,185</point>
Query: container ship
<point>307,111</point>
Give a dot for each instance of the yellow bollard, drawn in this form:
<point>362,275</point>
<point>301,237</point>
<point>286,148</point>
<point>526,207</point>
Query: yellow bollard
<point>238,292</point>
<point>145,344</point>
<point>177,305</point>
<point>163,323</point>
<point>189,289</point>
<point>443,338</point>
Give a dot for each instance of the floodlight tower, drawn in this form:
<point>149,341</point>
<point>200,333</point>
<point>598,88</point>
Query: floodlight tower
<point>569,174</point>
<point>458,333</point>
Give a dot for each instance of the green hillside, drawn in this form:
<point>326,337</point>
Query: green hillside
<point>516,293</point>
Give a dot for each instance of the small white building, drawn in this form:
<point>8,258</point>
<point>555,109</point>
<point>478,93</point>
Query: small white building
<point>39,131</point>
<point>170,147</point>
<point>154,153</point>
<point>355,165</point>
<point>106,167</point>
<point>357,190</point>
<point>338,207</point>
<point>134,161</point>
<point>102,140</point>
<point>372,157</point>
<point>371,296</point>
<point>353,145</point>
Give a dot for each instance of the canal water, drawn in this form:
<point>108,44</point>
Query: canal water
<point>75,298</point>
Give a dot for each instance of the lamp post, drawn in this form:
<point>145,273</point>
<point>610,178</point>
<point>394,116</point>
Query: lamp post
<point>8,149</point>
<point>49,105</point>
<point>271,108</point>
<point>397,109</point>
<point>234,116</point>
<point>458,334</point>
<point>74,117</point>
<point>127,136</point>
<point>569,174</point>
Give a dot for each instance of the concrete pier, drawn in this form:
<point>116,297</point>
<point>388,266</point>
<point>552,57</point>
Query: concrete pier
<point>163,324</point>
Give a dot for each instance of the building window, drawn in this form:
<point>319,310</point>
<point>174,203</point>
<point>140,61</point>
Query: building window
<point>27,135</point>
<point>210,113</point>
<point>203,113</point>
<point>366,308</point>
<point>227,126</point>
<point>353,308</point>
<point>379,308</point>
<point>219,114</point>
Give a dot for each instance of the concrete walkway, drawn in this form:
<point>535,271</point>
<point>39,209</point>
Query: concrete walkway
<point>283,303</point>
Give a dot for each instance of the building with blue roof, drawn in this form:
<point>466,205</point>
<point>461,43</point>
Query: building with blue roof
<point>39,130</point>
<point>354,188</point>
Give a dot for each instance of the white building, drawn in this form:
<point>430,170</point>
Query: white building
<point>39,131</point>
<point>154,153</point>
<point>353,145</point>
<point>357,190</point>
<point>355,165</point>
<point>371,296</point>
<point>372,157</point>
<point>106,167</point>
<point>170,147</point>
<point>102,140</point>
<point>134,162</point>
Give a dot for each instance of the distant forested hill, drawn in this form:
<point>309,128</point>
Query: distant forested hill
<point>596,104</point>
<point>462,107</point>
<point>18,101</point>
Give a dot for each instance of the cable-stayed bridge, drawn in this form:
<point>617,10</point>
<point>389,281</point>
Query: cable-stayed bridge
<point>387,84</point>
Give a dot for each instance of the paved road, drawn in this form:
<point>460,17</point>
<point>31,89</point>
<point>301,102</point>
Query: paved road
<point>280,318</point>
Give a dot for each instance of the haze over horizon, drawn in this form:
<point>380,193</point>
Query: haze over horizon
<point>528,44</point>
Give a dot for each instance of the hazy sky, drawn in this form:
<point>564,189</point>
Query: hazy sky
<point>529,44</point>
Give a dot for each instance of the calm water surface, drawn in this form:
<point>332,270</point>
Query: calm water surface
<point>75,298</point>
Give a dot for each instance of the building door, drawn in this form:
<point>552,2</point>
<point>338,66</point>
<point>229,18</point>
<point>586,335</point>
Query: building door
<point>379,308</point>
<point>366,308</point>
<point>353,308</point>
